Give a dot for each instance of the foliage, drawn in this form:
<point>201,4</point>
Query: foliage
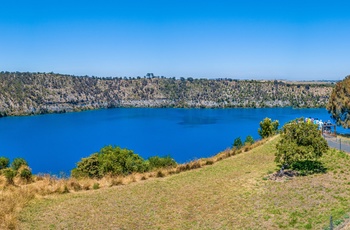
<point>339,103</point>
<point>110,160</point>
<point>25,173</point>
<point>27,93</point>
<point>161,162</point>
<point>9,175</point>
<point>249,140</point>
<point>117,161</point>
<point>237,143</point>
<point>17,163</point>
<point>299,142</point>
<point>87,167</point>
<point>268,127</point>
<point>4,162</point>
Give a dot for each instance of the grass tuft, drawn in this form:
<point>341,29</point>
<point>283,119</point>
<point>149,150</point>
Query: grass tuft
<point>96,186</point>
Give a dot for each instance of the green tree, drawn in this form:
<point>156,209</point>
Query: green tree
<point>299,142</point>
<point>4,162</point>
<point>17,163</point>
<point>268,127</point>
<point>249,140</point>
<point>339,103</point>
<point>237,143</point>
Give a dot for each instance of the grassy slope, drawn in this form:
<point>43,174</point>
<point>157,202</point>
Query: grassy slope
<point>231,194</point>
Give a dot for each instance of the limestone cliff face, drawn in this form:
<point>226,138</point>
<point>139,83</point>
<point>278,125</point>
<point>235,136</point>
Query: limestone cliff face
<point>37,93</point>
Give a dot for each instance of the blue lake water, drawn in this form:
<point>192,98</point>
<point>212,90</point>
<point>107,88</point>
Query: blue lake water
<point>54,143</point>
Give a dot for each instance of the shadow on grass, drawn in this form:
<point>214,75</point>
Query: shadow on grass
<point>308,167</point>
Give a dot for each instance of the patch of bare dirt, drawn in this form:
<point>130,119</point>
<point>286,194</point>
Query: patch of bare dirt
<point>283,175</point>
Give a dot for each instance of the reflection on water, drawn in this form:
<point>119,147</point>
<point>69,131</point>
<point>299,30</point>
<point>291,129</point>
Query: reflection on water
<point>197,120</point>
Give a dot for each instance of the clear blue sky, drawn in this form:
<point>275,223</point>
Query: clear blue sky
<point>289,39</point>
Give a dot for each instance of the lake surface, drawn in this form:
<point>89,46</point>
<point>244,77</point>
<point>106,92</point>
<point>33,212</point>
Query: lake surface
<point>54,143</point>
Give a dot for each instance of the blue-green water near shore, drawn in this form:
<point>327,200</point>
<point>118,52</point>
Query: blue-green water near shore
<point>53,143</point>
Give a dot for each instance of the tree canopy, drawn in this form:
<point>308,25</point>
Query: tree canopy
<point>268,127</point>
<point>300,141</point>
<point>339,103</point>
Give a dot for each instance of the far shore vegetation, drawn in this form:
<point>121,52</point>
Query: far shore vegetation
<point>25,93</point>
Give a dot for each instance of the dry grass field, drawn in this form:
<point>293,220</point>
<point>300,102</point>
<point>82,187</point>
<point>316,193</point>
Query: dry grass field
<point>15,196</point>
<point>233,193</point>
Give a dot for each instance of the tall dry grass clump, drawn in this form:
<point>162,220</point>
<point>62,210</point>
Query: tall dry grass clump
<point>12,199</point>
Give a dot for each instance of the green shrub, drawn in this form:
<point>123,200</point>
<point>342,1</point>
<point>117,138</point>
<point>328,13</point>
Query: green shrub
<point>268,127</point>
<point>117,161</point>
<point>249,140</point>
<point>237,143</point>
<point>25,174</point>
<point>96,186</point>
<point>4,162</point>
<point>9,175</point>
<point>161,162</point>
<point>110,160</point>
<point>87,167</point>
<point>17,163</point>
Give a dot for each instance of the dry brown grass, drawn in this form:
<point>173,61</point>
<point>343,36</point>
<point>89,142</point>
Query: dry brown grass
<point>14,197</point>
<point>182,188</point>
<point>230,194</point>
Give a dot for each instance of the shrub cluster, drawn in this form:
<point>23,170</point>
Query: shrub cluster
<point>116,161</point>
<point>161,162</point>
<point>19,167</point>
<point>238,144</point>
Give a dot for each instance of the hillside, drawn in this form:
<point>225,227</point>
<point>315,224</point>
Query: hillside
<point>230,194</point>
<point>39,93</point>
